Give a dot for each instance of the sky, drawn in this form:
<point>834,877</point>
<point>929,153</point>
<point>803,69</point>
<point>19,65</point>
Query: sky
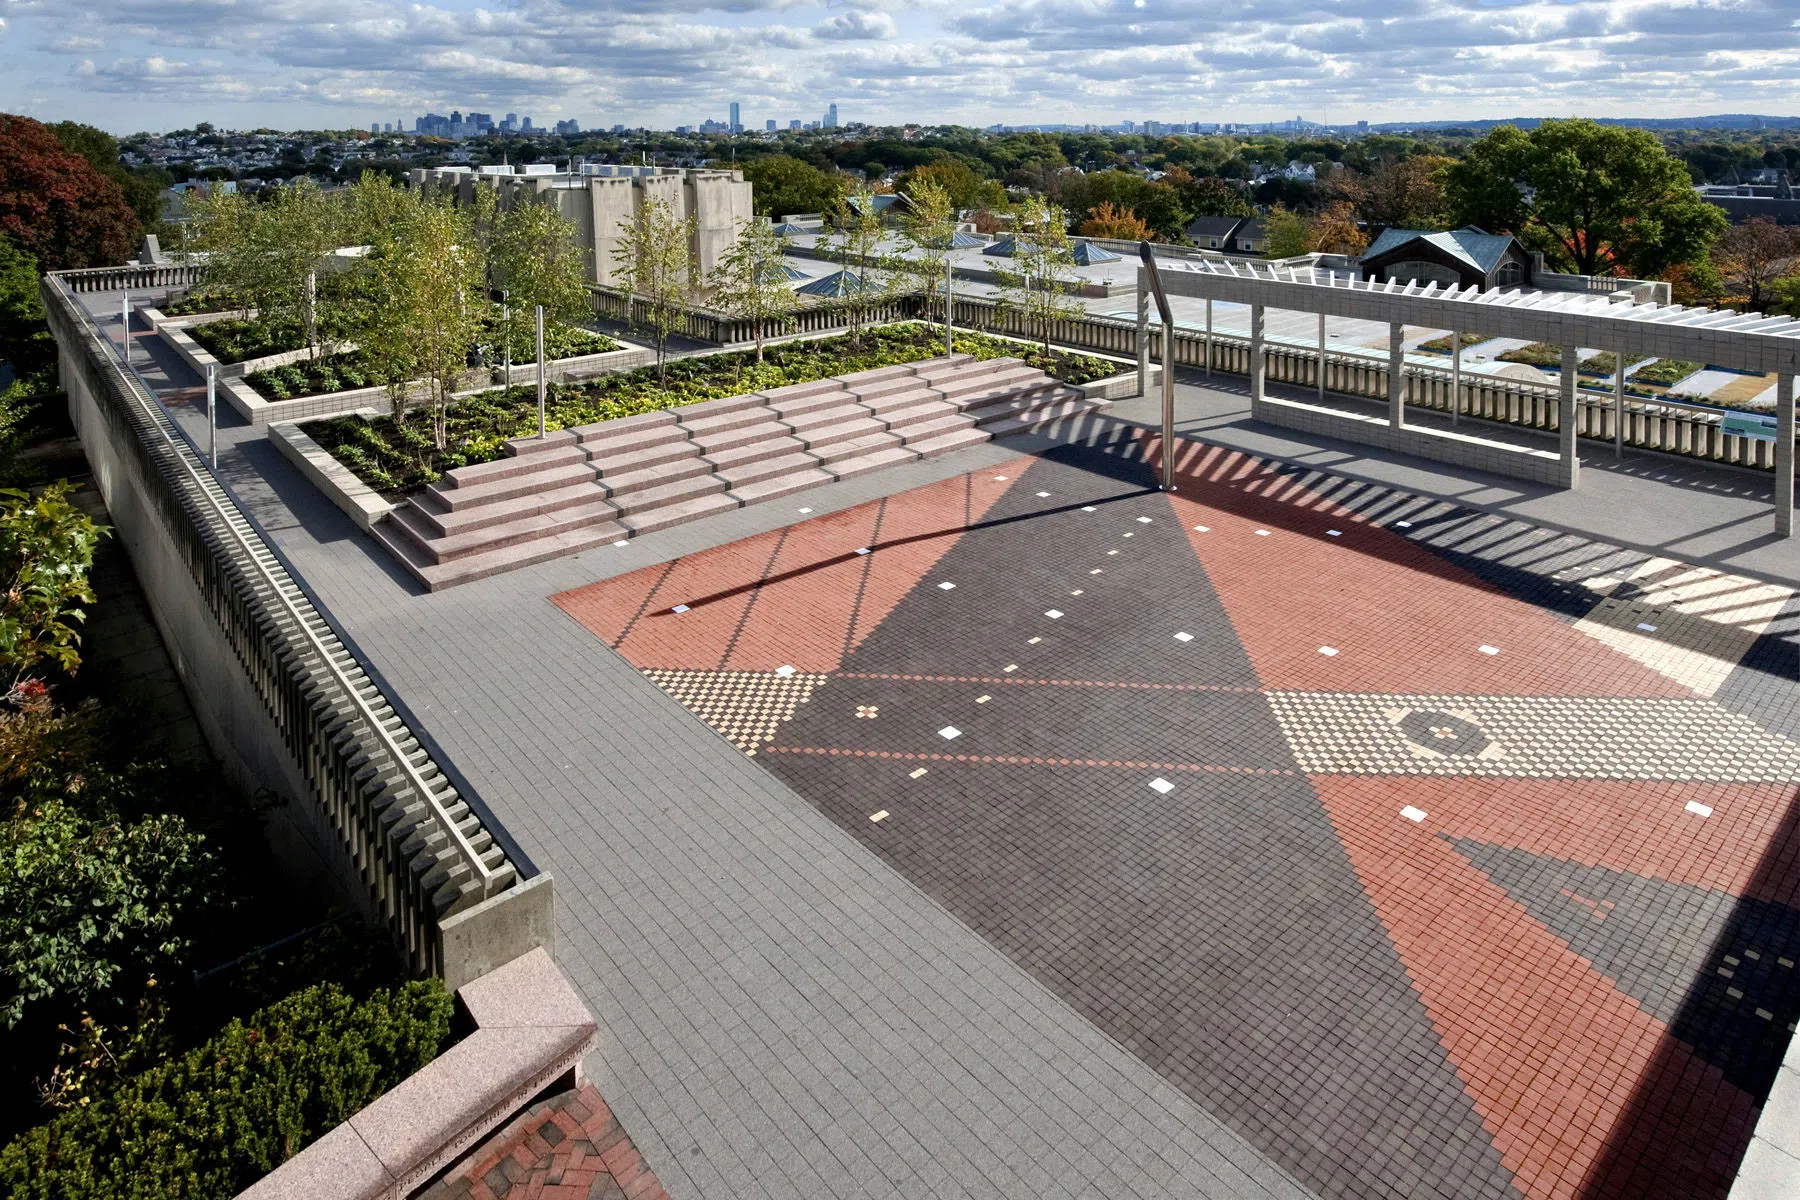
<point>131,65</point>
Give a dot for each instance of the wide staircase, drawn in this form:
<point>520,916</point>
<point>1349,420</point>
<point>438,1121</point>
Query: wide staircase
<point>596,484</point>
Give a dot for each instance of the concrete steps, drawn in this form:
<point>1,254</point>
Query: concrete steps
<point>595,484</point>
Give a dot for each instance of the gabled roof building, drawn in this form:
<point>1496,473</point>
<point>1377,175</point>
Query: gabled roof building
<point>1466,257</point>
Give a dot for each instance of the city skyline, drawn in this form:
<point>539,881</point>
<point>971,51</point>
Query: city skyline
<point>132,64</point>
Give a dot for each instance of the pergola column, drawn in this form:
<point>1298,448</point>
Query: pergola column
<point>1256,361</point>
<point>1143,332</point>
<point>1396,375</point>
<point>1566,419</point>
<point>1209,339</point>
<point>1456,339</point>
<point>1784,455</point>
<point>1321,356</point>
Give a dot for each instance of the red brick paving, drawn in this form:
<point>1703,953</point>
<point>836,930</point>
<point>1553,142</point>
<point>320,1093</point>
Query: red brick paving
<point>566,1147</point>
<point>1581,1088</point>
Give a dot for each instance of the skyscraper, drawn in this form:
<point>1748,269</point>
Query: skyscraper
<point>831,116</point>
<point>769,125</point>
<point>737,126</point>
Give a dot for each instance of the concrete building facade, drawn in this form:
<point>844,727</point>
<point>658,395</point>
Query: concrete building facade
<point>602,200</point>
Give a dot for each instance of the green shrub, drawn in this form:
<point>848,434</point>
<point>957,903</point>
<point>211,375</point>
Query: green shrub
<point>213,1121</point>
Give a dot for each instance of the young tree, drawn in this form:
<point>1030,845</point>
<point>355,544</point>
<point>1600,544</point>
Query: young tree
<point>1033,285</point>
<point>655,259</point>
<point>1285,233</point>
<point>46,548</point>
<point>1754,255</point>
<point>750,282</point>
<point>298,228</point>
<point>55,206</point>
<point>927,228</point>
<point>1595,198</point>
<point>860,234</point>
<point>1121,223</point>
<point>535,259</point>
<point>225,227</point>
<point>430,305</point>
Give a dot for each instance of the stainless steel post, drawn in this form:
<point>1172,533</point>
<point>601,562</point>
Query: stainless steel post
<point>125,327</point>
<point>1168,407</point>
<point>949,302</point>
<point>212,416</point>
<point>506,336</point>
<point>540,368</point>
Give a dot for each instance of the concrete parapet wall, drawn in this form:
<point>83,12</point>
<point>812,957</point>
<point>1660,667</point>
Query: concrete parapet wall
<point>1459,449</point>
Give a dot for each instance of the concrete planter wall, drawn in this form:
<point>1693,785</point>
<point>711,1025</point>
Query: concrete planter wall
<point>260,410</point>
<point>531,1032</point>
<point>362,503</point>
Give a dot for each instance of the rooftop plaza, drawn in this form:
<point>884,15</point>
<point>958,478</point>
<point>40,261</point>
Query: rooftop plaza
<point>1347,821</point>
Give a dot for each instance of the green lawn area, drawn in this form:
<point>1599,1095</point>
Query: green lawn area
<point>397,459</point>
<point>1442,345</point>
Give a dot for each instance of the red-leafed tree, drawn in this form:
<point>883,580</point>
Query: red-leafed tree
<point>55,206</point>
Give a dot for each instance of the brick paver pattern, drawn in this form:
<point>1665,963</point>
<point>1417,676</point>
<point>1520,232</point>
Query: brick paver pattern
<point>568,1146</point>
<point>1427,875</point>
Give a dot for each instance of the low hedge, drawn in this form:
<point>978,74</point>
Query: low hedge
<point>234,339</point>
<point>398,459</point>
<point>215,1120</point>
<point>198,301</point>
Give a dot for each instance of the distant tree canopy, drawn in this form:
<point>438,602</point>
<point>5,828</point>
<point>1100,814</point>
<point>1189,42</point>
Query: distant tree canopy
<point>55,206</point>
<point>1597,199</point>
<point>1157,204</point>
<point>787,185</point>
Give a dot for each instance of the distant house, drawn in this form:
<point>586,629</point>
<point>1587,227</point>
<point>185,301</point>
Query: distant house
<point>1213,233</point>
<point>1466,257</point>
<point>1250,237</point>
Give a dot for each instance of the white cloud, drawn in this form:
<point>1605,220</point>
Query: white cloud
<point>858,26</point>
<point>669,61</point>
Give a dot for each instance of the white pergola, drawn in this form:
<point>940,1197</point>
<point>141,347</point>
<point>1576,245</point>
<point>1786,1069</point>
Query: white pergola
<point>1752,342</point>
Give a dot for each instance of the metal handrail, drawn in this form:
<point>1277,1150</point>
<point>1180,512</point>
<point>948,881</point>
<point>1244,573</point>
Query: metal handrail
<point>283,587</point>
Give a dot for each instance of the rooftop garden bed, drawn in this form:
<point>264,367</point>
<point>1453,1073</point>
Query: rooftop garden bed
<point>1603,363</point>
<point>397,459</point>
<point>1537,354</point>
<point>1443,345</point>
<point>1664,371</point>
<point>202,300</point>
<point>344,371</point>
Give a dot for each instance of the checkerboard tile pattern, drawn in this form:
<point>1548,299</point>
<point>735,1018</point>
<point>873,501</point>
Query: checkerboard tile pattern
<point>1434,914</point>
<point>1552,737</point>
